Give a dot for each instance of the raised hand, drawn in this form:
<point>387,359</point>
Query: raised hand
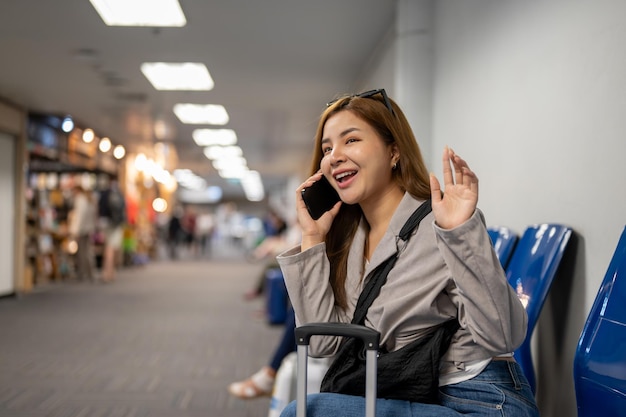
<point>458,201</point>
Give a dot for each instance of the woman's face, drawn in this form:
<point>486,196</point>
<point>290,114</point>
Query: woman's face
<point>355,160</point>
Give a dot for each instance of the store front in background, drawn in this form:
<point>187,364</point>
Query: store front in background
<point>58,161</point>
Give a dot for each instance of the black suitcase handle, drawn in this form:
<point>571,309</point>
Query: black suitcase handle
<point>371,339</point>
<point>369,336</point>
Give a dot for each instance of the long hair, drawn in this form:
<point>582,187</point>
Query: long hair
<point>410,174</point>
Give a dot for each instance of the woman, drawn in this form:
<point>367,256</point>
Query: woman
<point>366,149</point>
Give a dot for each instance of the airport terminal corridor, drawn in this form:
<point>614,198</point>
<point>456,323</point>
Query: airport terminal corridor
<point>164,340</point>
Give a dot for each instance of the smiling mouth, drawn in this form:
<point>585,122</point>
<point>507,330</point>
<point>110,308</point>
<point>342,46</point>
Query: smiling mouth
<point>344,176</point>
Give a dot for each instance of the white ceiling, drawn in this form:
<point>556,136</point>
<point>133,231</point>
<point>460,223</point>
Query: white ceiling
<point>275,64</point>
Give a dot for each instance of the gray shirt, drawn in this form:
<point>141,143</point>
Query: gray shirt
<point>440,274</point>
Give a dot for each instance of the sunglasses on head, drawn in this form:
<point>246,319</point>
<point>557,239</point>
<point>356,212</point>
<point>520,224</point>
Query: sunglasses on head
<point>369,94</point>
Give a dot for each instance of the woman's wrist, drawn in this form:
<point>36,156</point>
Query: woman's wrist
<point>308,241</point>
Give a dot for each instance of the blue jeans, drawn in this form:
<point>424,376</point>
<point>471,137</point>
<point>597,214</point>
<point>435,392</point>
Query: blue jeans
<point>287,342</point>
<point>500,390</point>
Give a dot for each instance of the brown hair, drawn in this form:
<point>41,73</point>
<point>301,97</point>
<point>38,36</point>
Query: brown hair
<point>410,174</point>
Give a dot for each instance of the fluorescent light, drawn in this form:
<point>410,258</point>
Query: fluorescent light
<point>253,186</point>
<point>230,162</point>
<point>187,76</point>
<point>189,180</point>
<point>218,152</point>
<point>233,173</point>
<point>210,137</point>
<point>154,13</point>
<point>212,114</point>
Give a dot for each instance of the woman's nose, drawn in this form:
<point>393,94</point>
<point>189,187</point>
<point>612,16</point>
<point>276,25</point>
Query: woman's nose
<point>336,155</point>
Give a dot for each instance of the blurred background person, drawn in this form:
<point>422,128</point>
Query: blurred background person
<point>205,226</point>
<point>189,223</point>
<point>175,232</point>
<point>81,227</point>
<point>112,212</point>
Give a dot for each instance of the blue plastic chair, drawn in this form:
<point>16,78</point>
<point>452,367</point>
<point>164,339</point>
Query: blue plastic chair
<point>531,271</point>
<point>504,241</point>
<point>600,359</point>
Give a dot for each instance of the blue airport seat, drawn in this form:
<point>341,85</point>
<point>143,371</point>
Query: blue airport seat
<point>600,359</point>
<point>504,241</point>
<point>530,271</point>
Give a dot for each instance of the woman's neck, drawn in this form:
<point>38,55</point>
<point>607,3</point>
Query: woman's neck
<point>378,216</point>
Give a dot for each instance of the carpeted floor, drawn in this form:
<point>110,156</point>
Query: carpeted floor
<point>164,340</point>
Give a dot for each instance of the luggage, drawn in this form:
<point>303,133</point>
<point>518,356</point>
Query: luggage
<point>277,299</point>
<point>284,390</point>
<point>370,338</point>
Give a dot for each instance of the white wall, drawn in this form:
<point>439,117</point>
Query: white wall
<point>403,63</point>
<point>532,93</point>
<point>7,215</point>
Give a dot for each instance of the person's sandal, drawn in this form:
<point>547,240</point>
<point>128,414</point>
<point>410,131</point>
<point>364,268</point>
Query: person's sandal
<point>260,384</point>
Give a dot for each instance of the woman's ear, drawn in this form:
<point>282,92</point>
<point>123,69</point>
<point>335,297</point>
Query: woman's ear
<point>395,155</point>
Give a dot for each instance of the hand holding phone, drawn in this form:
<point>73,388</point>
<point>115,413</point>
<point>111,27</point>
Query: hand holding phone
<point>320,197</point>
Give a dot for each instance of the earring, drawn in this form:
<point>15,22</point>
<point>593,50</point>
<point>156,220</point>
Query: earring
<point>395,165</point>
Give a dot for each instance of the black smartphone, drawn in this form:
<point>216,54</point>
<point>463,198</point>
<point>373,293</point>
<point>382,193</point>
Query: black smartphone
<point>319,197</point>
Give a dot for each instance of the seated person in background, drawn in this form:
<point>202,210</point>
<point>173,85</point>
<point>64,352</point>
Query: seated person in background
<point>267,250</point>
<point>261,382</point>
<point>447,272</point>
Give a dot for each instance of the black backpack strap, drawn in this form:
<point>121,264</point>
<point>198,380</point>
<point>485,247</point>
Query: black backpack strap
<point>378,277</point>
<point>415,219</point>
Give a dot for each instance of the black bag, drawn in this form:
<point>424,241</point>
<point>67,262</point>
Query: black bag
<point>112,206</point>
<point>410,373</point>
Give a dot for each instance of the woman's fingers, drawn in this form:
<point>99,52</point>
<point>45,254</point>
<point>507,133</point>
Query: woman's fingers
<point>472,180</point>
<point>447,168</point>
<point>435,189</point>
<point>462,172</point>
<point>457,164</point>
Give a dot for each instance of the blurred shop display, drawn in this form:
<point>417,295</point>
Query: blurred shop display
<point>60,157</point>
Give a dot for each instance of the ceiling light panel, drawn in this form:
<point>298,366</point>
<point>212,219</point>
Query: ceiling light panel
<point>210,114</point>
<point>186,76</point>
<point>154,13</point>
<point>210,137</point>
<point>230,163</point>
<point>219,152</point>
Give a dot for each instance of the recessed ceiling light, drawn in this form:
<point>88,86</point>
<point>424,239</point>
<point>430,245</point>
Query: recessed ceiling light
<point>67,124</point>
<point>210,137</point>
<point>211,114</point>
<point>230,162</point>
<point>104,145</point>
<point>88,135</point>
<point>219,152</point>
<point>119,152</point>
<point>178,76</point>
<point>155,13</point>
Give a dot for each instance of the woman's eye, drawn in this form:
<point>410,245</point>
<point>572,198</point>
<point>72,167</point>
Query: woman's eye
<point>326,149</point>
<point>351,140</point>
